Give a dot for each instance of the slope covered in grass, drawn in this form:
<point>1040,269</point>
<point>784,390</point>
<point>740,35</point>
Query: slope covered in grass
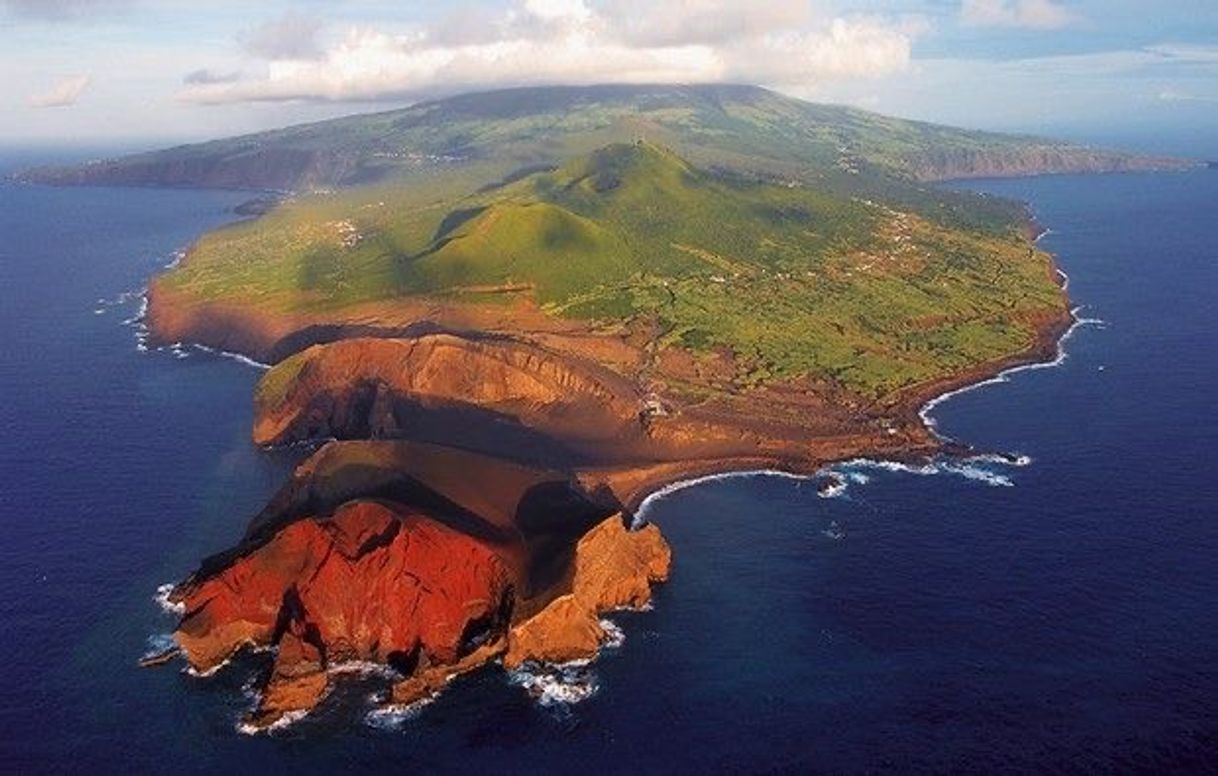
<point>492,135</point>
<point>793,281</point>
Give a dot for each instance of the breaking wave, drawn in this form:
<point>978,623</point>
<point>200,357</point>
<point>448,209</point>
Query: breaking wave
<point>162,599</point>
<point>615,637</point>
<point>556,686</point>
<point>159,645</point>
<point>1005,375</point>
<point>393,716</point>
<point>287,720</point>
<point>229,354</point>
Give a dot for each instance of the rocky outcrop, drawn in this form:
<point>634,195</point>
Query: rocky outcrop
<point>498,396</point>
<point>368,388</point>
<point>614,568</point>
<point>426,560</point>
<point>375,582</point>
<point>1030,158</point>
<point>517,400</point>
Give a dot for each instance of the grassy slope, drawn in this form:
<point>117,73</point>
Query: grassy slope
<point>794,279</point>
<point>488,136</point>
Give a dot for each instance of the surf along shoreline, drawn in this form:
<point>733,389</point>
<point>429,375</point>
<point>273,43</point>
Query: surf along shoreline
<point>615,476</point>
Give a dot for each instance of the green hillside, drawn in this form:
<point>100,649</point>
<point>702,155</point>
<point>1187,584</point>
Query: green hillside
<point>490,136</point>
<point>794,280</point>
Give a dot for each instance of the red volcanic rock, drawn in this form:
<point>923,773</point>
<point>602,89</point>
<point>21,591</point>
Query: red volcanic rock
<point>361,388</point>
<point>614,568</point>
<point>375,582</point>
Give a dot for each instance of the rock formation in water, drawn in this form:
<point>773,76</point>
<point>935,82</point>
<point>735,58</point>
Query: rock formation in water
<point>453,561</point>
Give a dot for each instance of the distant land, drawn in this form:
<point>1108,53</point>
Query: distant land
<point>735,126</point>
<point>506,318</point>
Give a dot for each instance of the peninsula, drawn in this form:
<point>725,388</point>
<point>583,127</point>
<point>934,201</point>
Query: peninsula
<point>505,319</point>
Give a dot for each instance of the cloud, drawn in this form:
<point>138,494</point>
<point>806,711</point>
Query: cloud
<point>645,22</point>
<point>65,92</point>
<point>207,76</point>
<point>292,36</point>
<point>573,41</point>
<point>56,9</point>
<point>1032,14</point>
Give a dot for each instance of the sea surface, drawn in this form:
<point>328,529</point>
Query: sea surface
<point>1061,615</point>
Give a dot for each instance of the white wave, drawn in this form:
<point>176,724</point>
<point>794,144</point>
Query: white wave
<point>208,673</point>
<point>1018,460</point>
<point>1005,375</point>
<point>615,637</point>
<point>176,259</point>
<point>162,598</point>
<point>140,313</point>
<point>238,357</point>
<point>159,644</point>
<point>849,472</point>
<point>833,489</point>
<point>287,720</point>
<point>834,531</point>
<point>558,686</point>
<point>965,468</point>
<point>675,487</point>
<point>647,607</point>
<point>394,715</point>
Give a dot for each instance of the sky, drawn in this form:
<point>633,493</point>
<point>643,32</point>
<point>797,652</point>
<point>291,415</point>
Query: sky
<point>155,71</point>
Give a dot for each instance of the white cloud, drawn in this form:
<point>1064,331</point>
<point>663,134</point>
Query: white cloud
<point>572,41</point>
<point>63,93</point>
<point>57,9</point>
<point>1033,14</point>
<point>291,36</point>
<point>649,23</point>
<point>209,76</point>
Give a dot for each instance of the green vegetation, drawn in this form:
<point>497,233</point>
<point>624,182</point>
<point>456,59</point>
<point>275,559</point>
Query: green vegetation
<point>794,279</point>
<point>745,129</point>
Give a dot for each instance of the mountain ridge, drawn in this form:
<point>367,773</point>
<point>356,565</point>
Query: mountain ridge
<point>739,127</point>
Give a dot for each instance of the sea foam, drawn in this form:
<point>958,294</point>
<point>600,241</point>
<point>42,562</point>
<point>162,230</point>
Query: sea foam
<point>1004,376</point>
<point>393,716</point>
<point>556,686</point>
<point>162,599</point>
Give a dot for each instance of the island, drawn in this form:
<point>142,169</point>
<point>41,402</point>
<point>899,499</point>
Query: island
<point>501,321</point>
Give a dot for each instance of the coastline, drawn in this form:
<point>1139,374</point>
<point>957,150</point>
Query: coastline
<point>221,325</point>
<point>670,454</point>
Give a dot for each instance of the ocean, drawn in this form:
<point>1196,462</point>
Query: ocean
<point>1057,615</point>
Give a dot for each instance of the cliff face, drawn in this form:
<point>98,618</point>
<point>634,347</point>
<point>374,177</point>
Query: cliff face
<point>1035,159</point>
<point>364,388</point>
<point>507,126</point>
<point>241,166</point>
<point>374,582</point>
<point>383,553</point>
<point>613,569</point>
<point>516,400</point>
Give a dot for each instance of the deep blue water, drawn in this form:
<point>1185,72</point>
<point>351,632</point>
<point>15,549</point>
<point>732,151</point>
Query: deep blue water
<point>1066,622</point>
